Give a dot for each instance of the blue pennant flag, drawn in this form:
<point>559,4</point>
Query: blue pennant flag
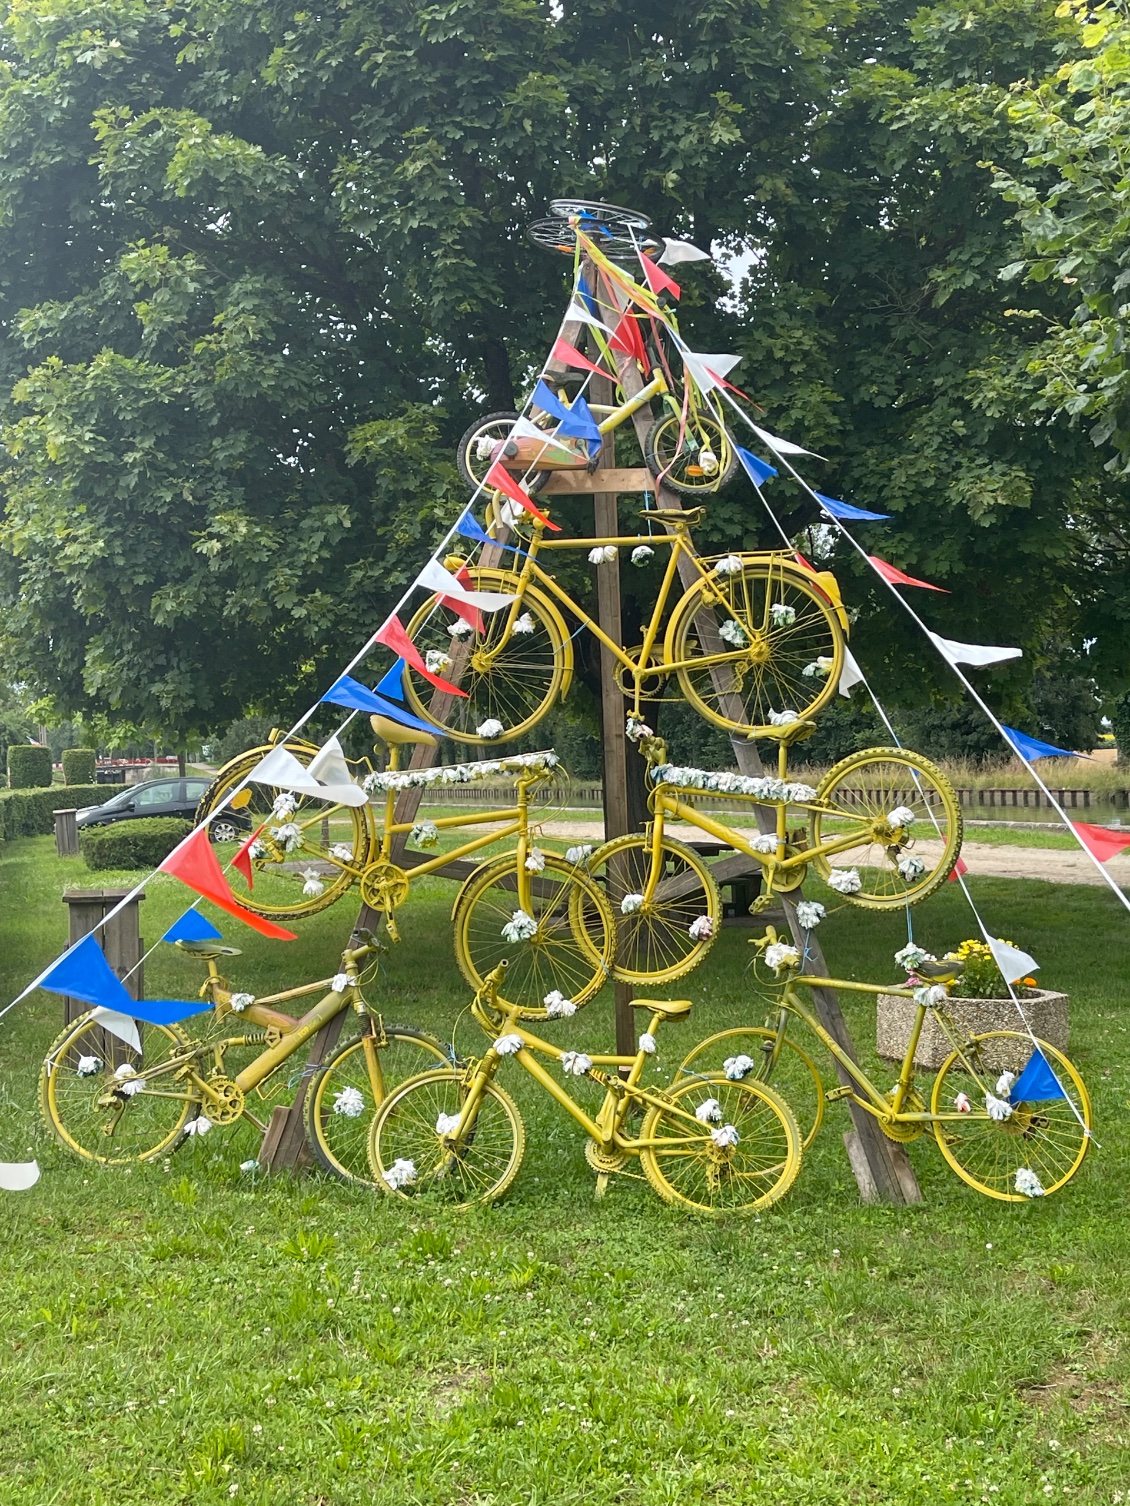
<point>470,529</point>
<point>83,973</point>
<point>167,1011</point>
<point>846,511</point>
<point>192,926</point>
<point>1037,1083</point>
<point>391,682</point>
<point>349,692</point>
<point>1030,748</point>
<point>576,421</point>
<point>757,471</point>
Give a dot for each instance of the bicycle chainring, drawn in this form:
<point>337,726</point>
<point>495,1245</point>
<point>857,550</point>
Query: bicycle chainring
<point>227,1105</point>
<point>384,886</point>
<point>604,1159</point>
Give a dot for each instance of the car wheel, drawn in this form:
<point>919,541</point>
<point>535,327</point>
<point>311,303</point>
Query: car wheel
<point>224,831</point>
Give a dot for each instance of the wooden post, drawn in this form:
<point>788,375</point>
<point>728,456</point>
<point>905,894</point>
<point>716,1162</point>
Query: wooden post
<point>122,944</point>
<point>284,1146</point>
<point>66,833</point>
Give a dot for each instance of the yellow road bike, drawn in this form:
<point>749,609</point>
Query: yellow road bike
<point>544,914</point>
<point>109,1103</point>
<point>708,1143</point>
<point>754,635</point>
<point>883,828</point>
<point>1005,1141</point>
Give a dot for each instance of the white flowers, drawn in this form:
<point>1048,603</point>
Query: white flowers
<point>400,1174</point>
<point>349,1103</point>
<point>902,815</point>
<point>424,834</point>
<point>240,1002</point>
<point>312,885</point>
<point>820,668</point>
<point>962,1104</point>
<point>509,1045</point>
<point>766,843</point>
<point>726,1137</point>
<point>647,1043</point>
<point>737,1067</point>
<point>1004,1083</point>
<point>782,615</point>
<point>524,624</point>
<point>911,869</point>
<point>733,633</point>
<point>557,1006</point>
<point>284,805</point>
<point>340,982</point>
<point>809,913</point>
<point>575,1063</point>
<point>708,461</point>
<point>758,787</point>
<point>783,718</point>
<point>931,995</point>
<point>447,1124</point>
<point>709,1112</point>
<point>457,773</point>
<point>535,861</point>
<point>641,554</point>
<point>845,880</point>
<point>1028,1183</point>
<point>460,628</point>
<point>511,512</point>
<point>249,1166</point>
<point>701,929</point>
<point>342,852</point>
<point>128,1083</point>
<point>603,554</point>
<point>258,849</point>
<point>578,855</point>
<point>89,1066</point>
<point>288,836</point>
<point>520,927</point>
<point>489,729</point>
<point>199,1126</point>
<point>437,661</point>
<point>729,564</point>
<point>637,728</point>
<point>631,903</point>
<point>912,956</point>
<point>997,1108</point>
<point>780,954</point>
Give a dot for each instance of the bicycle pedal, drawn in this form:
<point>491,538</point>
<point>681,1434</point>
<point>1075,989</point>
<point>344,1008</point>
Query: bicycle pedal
<point>832,1095</point>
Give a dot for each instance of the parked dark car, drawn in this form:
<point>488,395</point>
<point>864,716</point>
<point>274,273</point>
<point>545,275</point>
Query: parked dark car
<point>156,797</point>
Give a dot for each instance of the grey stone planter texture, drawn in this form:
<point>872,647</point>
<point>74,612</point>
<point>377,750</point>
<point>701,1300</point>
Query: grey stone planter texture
<point>1045,1011</point>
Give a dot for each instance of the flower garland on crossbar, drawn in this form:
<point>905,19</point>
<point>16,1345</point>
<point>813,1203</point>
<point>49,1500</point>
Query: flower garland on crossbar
<point>456,773</point>
<point>761,787</point>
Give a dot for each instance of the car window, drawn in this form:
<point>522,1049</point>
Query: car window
<point>194,788</point>
<point>157,794</point>
<point>115,802</point>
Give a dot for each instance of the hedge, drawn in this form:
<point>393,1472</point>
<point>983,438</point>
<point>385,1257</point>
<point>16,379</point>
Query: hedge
<point>78,765</point>
<point>132,844</point>
<point>29,767</point>
<point>29,813</point>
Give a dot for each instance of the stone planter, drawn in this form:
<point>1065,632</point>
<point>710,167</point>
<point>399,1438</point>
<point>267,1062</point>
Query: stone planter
<point>1045,1011</point>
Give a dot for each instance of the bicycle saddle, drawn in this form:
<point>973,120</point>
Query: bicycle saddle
<point>395,732</point>
<point>206,950</point>
<point>670,1009</point>
<point>690,516</point>
<point>791,732</point>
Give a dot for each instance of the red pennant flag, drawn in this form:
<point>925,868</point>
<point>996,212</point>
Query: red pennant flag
<point>657,279</point>
<point>393,636</point>
<point>897,578</point>
<point>242,860</point>
<point>500,477</point>
<point>959,870</point>
<point>569,355</point>
<point>470,615</point>
<point>196,865</point>
<point>629,342</point>
<point>1100,841</point>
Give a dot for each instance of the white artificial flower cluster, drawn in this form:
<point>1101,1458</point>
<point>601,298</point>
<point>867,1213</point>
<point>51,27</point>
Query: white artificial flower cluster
<point>128,1082</point>
<point>258,850</point>
<point>461,628</point>
<point>1004,1083</point>
<point>766,843</point>
<point>342,852</point>
<point>757,787</point>
<point>647,1043</point>
<point>845,881</point>
<point>89,1066</point>
<point>701,928</point>
<point>437,661</point>
<point>524,624</point>
<point>809,913</point>
<point>911,868</point>
<point>578,855</point>
<point>198,1126</point>
<point>911,956</point>
<point>780,954</point>
<point>512,513</point>
<point>1028,1183</point>
<point>709,1112</point>
<point>931,996</point>
<point>637,728</point>
<point>641,554</point>
<point>457,773</point>
<point>603,554</point>
<point>509,1045</point>
<point>349,1102</point>
<point>447,1124</point>
<point>340,982</point>
<point>490,729</point>
<point>782,614</point>
<point>400,1174</point>
<point>288,836</point>
<point>819,669</point>
<point>999,1109</point>
<point>962,1104</point>
<point>631,903</point>
<point>737,1067</point>
<point>284,805</point>
<point>424,834</point>
<point>535,861</point>
<point>725,1137</point>
<point>729,564</point>
<point>520,927</point>
<point>733,633</point>
<point>557,1006</point>
<point>783,718</point>
<point>902,815</point>
<point>240,1002</point>
<point>575,1063</point>
<point>312,885</point>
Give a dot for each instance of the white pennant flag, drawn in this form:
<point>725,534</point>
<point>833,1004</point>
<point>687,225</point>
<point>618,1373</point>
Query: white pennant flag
<point>708,368</point>
<point>121,1025</point>
<point>577,311</point>
<point>282,770</point>
<point>328,766</point>
<point>851,674</point>
<point>18,1176</point>
<point>1013,963</point>
<point>784,446</point>
<point>973,653</point>
<point>433,577</point>
<point>676,251</point>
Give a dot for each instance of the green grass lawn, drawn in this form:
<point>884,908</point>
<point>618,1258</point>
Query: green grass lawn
<point>191,1333</point>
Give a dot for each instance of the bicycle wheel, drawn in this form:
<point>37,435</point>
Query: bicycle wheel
<point>98,1114</point>
<point>352,1085</point>
<point>304,861</point>
<point>571,950</point>
<point>1044,1138</point>
<point>684,1163</point>
<point>898,863</point>
<point>512,675</point>
<point>674,451</point>
<point>794,1075</point>
<point>789,656</point>
<point>410,1157</point>
<point>655,943</point>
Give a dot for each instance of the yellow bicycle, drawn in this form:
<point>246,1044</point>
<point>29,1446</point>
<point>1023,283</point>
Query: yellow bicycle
<point>883,828</point>
<point>544,914</point>
<point>707,1142</point>
<point>109,1103</point>
<point>754,635</point>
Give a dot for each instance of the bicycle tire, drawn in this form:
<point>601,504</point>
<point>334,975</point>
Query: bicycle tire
<point>653,943</point>
<point>472,469</point>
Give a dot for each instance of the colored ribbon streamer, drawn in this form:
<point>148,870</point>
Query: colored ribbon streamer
<point>83,973</point>
<point>1037,1083</point>
<point>897,578</point>
<point>393,636</point>
<point>196,865</point>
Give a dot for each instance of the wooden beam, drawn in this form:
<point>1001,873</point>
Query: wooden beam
<point>605,478</point>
